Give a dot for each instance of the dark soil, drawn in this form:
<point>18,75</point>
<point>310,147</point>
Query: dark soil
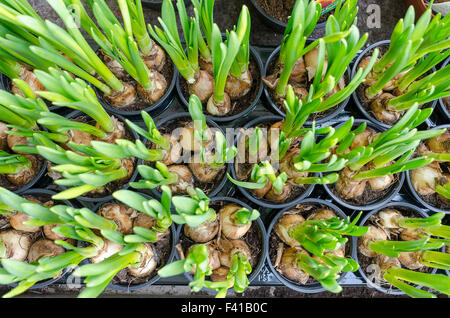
<point>274,241</point>
<point>281,10</point>
<point>361,90</point>
<point>168,128</point>
<point>115,185</point>
<point>237,105</point>
<point>296,190</point>
<point>446,101</point>
<point>161,248</point>
<point>365,261</point>
<point>274,68</point>
<point>140,103</point>
<point>253,238</point>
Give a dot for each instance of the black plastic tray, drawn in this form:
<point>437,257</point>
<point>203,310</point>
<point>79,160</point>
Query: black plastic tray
<point>266,278</point>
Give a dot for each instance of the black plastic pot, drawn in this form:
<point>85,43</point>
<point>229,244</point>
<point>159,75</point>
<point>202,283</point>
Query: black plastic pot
<point>417,196</point>
<point>276,24</point>
<point>6,84</point>
<point>64,272</point>
<point>84,198</point>
<point>358,103</point>
<point>154,109</point>
<point>210,124</point>
<point>132,287</point>
<point>314,287</point>
<point>330,113</point>
<point>363,221</point>
<point>395,189</point>
<point>262,230</point>
<point>254,54</point>
<point>445,112</point>
<point>247,193</point>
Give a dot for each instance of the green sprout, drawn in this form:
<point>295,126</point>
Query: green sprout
<point>395,146</point>
<point>223,57</point>
<point>158,210</point>
<point>240,64</point>
<point>169,39</point>
<point>444,190</point>
<point>410,43</point>
<point>77,224</point>
<point>244,216</point>
<point>193,210</point>
<point>152,133</point>
<point>261,174</point>
<point>397,277</point>
<point>21,111</point>
<point>13,163</point>
<point>54,39</point>
<point>425,90</point>
<point>222,154</point>
<point>65,91</point>
<point>337,55</point>
<point>154,177</point>
<point>26,275</point>
<point>204,10</point>
<point>197,259</point>
<point>118,42</point>
<point>423,246</point>
<point>312,153</point>
<point>302,22</point>
<point>198,118</point>
<point>83,172</point>
<point>345,13</point>
<point>139,26</point>
<point>327,274</point>
<point>236,277</point>
<point>318,236</point>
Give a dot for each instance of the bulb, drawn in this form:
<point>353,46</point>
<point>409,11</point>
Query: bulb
<point>424,179</point>
<point>388,218</point>
<point>288,265</point>
<point>203,86</point>
<point>17,244</point>
<point>147,264</point>
<point>154,94</point>
<point>123,98</point>
<point>117,133</point>
<point>185,178</point>
<point>109,249</point>
<point>228,248</point>
<point>237,87</point>
<point>230,229</point>
<point>279,197</point>
<point>374,234</point>
<point>120,214</point>
<point>148,222</point>
<point>347,187</point>
<point>203,233</point>
<point>322,214</point>
<point>44,248</point>
<point>284,225</point>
